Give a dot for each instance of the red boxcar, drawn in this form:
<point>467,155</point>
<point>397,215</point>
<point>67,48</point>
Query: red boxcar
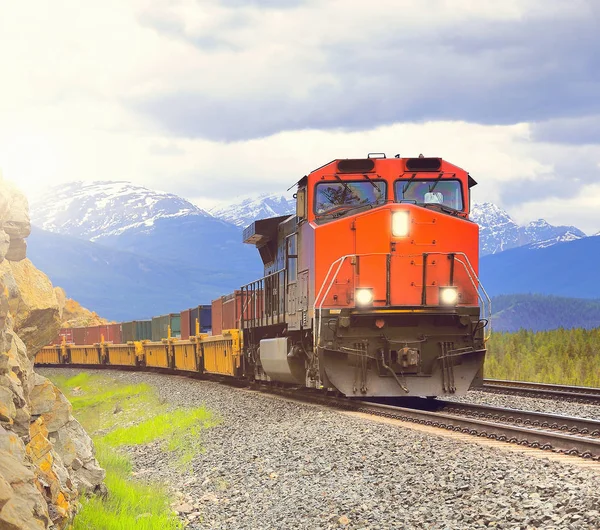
<point>111,333</point>
<point>92,335</point>
<point>79,335</point>
<point>67,334</point>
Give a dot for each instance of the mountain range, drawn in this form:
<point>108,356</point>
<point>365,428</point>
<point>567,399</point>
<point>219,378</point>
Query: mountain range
<point>498,232</point>
<point>130,252</point>
<point>104,209</point>
<point>121,285</point>
<point>567,269</point>
<point>542,312</point>
<point>247,210</point>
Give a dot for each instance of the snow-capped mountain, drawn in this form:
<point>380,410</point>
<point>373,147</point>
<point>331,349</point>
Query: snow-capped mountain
<point>248,210</point>
<point>567,236</point>
<point>121,214</point>
<point>567,268</point>
<point>151,224</point>
<point>498,232</point>
<point>95,210</point>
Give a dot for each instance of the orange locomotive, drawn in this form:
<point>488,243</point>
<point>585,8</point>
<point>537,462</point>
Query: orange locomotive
<point>372,287</point>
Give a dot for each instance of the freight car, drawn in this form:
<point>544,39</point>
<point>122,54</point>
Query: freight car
<point>370,289</point>
<point>218,355</point>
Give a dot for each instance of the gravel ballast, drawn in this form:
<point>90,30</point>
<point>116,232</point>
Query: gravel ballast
<point>278,464</point>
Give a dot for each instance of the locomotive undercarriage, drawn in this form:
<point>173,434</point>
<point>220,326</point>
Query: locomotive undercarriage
<point>392,352</point>
<point>402,352</point>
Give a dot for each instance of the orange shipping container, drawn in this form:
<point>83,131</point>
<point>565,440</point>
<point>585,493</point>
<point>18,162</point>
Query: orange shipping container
<point>232,304</point>
<point>217,316</point>
<point>186,330</point>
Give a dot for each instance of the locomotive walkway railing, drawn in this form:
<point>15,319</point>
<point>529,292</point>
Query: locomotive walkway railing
<point>263,301</point>
<point>483,299</point>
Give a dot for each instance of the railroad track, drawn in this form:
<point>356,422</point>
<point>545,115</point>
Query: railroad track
<point>572,436</point>
<point>564,434</point>
<point>576,394</point>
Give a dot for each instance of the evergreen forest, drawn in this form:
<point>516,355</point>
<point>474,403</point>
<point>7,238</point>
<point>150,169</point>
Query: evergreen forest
<point>561,356</point>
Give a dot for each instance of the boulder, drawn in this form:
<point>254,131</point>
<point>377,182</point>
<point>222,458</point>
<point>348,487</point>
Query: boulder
<point>68,437</point>
<point>15,217</point>
<point>77,451</point>
<point>33,304</point>
<point>17,250</point>
<point>61,299</point>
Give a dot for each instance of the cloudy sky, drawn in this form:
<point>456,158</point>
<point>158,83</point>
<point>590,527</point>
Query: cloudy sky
<point>216,98</point>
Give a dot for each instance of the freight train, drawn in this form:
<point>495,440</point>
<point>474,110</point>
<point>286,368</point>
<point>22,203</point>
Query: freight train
<point>370,289</point>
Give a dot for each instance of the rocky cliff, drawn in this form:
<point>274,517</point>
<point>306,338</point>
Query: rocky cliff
<point>46,458</point>
<point>74,315</point>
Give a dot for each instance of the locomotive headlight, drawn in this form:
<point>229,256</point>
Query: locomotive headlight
<point>400,224</point>
<point>448,295</point>
<point>364,296</point>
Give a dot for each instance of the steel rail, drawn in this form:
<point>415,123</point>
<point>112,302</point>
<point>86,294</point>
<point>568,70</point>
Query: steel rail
<point>550,440</point>
<point>551,437</point>
<point>579,394</point>
<point>557,422</point>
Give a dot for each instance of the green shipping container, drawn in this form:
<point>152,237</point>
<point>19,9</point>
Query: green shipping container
<point>136,330</point>
<point>175,324</point>
<point>160,326</point>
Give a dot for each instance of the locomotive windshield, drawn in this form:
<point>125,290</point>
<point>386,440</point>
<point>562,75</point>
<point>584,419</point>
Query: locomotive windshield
<point>343,195</point>
<point>430,191</point>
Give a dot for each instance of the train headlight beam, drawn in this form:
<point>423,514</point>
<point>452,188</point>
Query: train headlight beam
<point>364,296</point>
<point>400,224</point>
<point>448,295</point>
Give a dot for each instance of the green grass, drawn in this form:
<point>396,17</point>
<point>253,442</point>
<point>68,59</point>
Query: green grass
<point>180,431</point>
<point>117,415</point>
<point>129,504</point>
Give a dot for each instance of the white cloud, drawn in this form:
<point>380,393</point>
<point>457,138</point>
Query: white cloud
<point>580,211</point>
<point>72,77</point>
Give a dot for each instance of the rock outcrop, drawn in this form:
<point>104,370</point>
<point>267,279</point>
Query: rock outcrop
<point>46,458</point>
<point>73,315</point>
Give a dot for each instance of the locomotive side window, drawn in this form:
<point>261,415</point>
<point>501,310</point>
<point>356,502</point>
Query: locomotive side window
<point>430,191</point>
<point>330,196</point>
<point>292,258</point>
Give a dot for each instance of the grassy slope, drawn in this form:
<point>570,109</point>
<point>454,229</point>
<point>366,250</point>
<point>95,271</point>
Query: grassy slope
<point>116,415</point>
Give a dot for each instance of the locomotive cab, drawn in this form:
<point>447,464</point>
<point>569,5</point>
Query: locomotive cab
<point>371,288</point>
